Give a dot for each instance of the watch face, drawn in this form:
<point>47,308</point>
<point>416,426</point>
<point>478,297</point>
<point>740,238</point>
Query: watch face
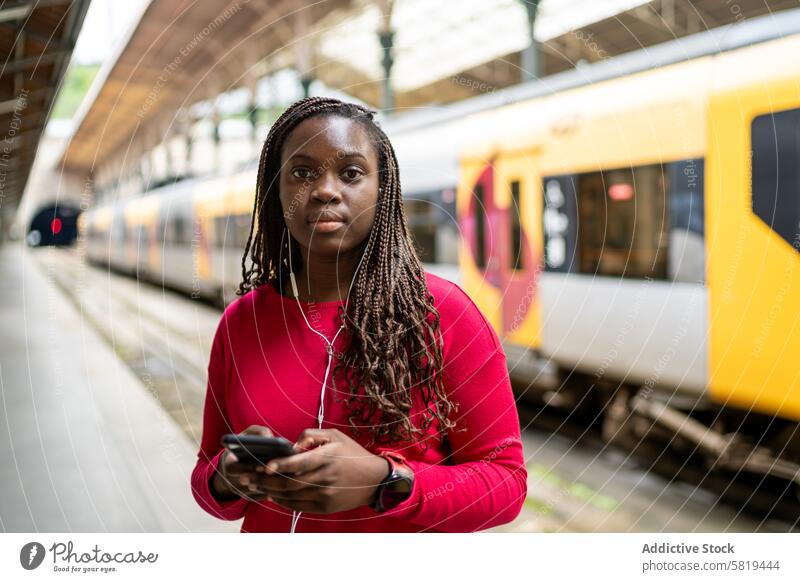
<point>396,490</point>
<point>401,485</point>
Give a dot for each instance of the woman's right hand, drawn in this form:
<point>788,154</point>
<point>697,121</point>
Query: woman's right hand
<point>234,479</point>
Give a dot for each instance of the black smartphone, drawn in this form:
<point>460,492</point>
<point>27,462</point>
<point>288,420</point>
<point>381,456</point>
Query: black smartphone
<point>257,450</point>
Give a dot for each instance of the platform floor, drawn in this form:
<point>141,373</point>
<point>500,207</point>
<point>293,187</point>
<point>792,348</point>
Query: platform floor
<point>73,453</point>
<point>102,381</point>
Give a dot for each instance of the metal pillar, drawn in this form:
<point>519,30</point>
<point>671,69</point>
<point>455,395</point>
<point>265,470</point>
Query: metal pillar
<point>187,168</point>
<point>252,116</point>
<point>305,82</point>
<point>304,51</point>
<point>386,38</point>
<point>387,41</point>
<point>253,112</point>
<point>215,137</point>
<point>530,56</point>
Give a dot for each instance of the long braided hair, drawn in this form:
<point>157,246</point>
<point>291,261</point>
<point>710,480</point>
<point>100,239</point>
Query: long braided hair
<point>394,358</point>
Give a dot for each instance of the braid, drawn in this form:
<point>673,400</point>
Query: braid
<point>394,357</point>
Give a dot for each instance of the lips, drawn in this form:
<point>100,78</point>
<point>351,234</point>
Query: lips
<point>326,222</point>
<point>325,217</point>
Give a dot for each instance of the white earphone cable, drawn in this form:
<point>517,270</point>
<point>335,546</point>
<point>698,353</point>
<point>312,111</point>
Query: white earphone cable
<point>328,347</point>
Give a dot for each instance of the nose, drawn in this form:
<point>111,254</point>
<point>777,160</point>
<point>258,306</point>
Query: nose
<point>325,189</point>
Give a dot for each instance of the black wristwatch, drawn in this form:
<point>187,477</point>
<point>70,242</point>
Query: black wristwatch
<point>396,486</point>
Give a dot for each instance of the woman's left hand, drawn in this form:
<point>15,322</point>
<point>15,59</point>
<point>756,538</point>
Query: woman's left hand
<point>333,473</point>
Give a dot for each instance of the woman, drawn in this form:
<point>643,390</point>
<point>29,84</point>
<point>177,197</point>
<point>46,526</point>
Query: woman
<point>388,379</point>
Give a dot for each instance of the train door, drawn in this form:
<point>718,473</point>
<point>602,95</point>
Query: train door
<point>499,214</point>
<point>518,247</point>
<point>202,234</point>
<point>753,247</point>
<point>479,219</point>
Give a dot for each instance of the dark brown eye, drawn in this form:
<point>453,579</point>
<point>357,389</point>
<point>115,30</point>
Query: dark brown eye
<point>302,173</point>
<point>352,174</point>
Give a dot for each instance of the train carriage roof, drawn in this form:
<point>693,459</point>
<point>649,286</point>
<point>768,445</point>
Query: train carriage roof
<point>712,42</point>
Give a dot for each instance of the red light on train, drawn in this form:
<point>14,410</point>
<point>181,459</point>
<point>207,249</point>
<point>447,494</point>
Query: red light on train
<point>55,225</point>
<point>620,192</point>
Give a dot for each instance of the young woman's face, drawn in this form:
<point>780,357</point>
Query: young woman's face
<point>329,184</point>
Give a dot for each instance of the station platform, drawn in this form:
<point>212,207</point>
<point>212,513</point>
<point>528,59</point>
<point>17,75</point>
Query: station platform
<point>84,447</point>
<point>102,383</point>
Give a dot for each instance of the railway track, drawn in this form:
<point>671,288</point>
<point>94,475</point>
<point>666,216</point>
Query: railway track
<point>164,339</point>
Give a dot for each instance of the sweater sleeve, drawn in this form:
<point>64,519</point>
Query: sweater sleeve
<point>483,483</point>
<point>215,424</point>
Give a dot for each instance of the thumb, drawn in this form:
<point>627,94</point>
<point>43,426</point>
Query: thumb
<point>312,438</point>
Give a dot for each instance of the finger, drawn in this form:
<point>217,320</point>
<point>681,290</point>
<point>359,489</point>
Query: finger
<point>240,481</point>
<point>239,468</point>
<point>300,463</point>
<point>291,483</point>
<point>257,430</point>
<point>314,437</point>
<point>252,491</point>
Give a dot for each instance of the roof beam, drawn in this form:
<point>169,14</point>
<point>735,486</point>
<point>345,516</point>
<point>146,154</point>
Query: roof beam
<point>14,12</point>
<point>47,58</point>
<point>33,35</point>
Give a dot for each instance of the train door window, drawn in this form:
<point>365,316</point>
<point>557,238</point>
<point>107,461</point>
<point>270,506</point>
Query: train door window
<point>480,227</point>
<point>775,139</point>
<point>516,226</point>
<point>623,222</point>
<point>686,260</point>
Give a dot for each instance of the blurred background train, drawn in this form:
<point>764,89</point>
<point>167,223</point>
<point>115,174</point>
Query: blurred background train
<point>631,228</point>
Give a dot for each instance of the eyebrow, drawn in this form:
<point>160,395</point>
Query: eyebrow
<point>354,155</point>
<point>344,155</point>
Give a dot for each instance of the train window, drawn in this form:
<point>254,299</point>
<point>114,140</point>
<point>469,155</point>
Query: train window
<point>623,222</point>
<point>118,227</point>
<point>560,223</point>
<point>163,225</point>
<point>432,225</point>
<point>422,224</point>
<point>141,237</point>
<point>221,231</point>
<point>516,227</point>
<point>775,140</point>
<point>241,229</point>
<point>231,231</point>
<point>480,227</point>
<point>179,230</point>
<point>686,260</point>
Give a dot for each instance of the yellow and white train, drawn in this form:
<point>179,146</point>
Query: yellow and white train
<point>640,228</point>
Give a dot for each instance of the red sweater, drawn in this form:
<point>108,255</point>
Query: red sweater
<point>266,368</point>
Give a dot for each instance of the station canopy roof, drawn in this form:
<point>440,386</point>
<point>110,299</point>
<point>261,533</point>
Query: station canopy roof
<point>36,40</point>
<point>181,53</point>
